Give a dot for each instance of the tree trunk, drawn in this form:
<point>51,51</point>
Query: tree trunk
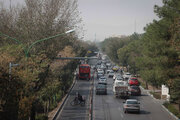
<point>146,85</point>
<point>179,104</point>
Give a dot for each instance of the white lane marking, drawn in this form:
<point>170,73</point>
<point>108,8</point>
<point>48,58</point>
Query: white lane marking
<point>121,115</point>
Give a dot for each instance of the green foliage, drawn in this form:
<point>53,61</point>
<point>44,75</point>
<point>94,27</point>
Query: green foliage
<point>41,117</point>
<point>155,54</point>
<point>172,109</point>
<point>36,88</point>
<point>156,95</point>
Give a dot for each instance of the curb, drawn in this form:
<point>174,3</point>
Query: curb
<point>170,113</point>
<point>64,101</point>
<point>148,93</point>
<point>161,105</point>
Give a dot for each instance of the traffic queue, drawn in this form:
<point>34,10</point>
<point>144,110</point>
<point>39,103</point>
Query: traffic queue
<point>124,84</point>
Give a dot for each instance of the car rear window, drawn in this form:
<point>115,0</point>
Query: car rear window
<point>135,87</point>
<point>131,102</point>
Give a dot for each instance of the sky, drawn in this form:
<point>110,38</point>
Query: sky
<point>107,18</point>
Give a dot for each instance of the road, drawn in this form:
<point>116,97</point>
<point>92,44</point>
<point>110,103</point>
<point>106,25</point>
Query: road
<point>77,112</point>
<point>107,107</point>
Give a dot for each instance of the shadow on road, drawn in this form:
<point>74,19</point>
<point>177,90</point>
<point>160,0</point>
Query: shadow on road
<point>142,112</point>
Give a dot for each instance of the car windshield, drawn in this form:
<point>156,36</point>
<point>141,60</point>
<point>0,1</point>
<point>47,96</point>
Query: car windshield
<point>100,86</point>
<point>120,83</point>
<point>131,102</point>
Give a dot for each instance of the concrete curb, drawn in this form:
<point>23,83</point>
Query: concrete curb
<point>64,101</point>
<point>161,105</point>
<point>148,93</point>
<point>170,112</point>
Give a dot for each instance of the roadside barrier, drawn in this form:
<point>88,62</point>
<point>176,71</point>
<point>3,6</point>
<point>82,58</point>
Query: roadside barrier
<point>64,101</point>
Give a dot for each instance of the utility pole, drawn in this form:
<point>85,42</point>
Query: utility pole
<point>10,5</point>
<point>10,68</point>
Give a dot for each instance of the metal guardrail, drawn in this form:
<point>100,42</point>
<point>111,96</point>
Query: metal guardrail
<point>75,58</point>
<point>60,108</point>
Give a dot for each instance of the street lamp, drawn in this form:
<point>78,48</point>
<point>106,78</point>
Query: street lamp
<point>26,50</point>
<point>44,39</point>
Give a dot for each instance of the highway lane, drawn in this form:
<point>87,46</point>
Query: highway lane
<point>78,112</point>
<point>107,107</point>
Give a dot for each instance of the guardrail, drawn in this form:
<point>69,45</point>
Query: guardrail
<point>67,95</point>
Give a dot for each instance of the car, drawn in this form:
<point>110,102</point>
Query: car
<point>111,74</point>
<point>115,68</point>
<point>102,66</point>
<point>133,81</point>
<point>108,64</point>
<point>108,70</point>
<point>135,90</point>
<point>119,78</point>
<point>99,75</point>
<point>100,71</point>
<point>101,89</point>
<point>102,80</point>
<point>127,75</point>
<point>116,75</point>
<point>131,105</point>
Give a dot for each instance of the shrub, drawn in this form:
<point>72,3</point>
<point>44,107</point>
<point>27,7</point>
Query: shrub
<point>41,117</point>
<point>172,109</point>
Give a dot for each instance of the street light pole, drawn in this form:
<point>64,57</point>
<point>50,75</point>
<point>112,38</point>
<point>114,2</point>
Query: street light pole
<point>26,50</point>
<point>44,39</point>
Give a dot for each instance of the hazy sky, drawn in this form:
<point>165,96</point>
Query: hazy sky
<point>106,18</point>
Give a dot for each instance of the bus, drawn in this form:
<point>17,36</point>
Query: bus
<point>84,71</point>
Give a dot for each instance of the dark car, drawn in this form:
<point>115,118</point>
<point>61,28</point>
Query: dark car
<point>133,81</point>
<point>135,90</point>
<point>101,89</point>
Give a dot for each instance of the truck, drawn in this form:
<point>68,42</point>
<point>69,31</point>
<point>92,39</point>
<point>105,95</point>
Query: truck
<point>84,72</point>
<point>120,89</point>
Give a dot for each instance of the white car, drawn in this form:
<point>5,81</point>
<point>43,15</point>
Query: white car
<point>127,75</point>
<point>102,80</point>
<point>116,75</point>
<point>119,79</point>
<point>111,74</point>
<point>108,64</point>
<point>100,71</point>
<point>108,70</point>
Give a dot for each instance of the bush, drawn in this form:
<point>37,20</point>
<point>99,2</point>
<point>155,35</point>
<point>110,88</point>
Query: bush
<point>142,84</point>
<point>172,109</point>
<point>41,117</point>
<point>156,95</point>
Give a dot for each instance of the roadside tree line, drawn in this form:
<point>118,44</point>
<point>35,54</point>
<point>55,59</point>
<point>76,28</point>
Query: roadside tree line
<point>39,82</point>
<point>155,54</point>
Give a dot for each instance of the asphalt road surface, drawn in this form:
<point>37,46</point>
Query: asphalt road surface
<point>107,107</point>
<point>77,112</point>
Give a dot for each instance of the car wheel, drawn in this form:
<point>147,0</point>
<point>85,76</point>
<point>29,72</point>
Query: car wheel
<point>125,111</point>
